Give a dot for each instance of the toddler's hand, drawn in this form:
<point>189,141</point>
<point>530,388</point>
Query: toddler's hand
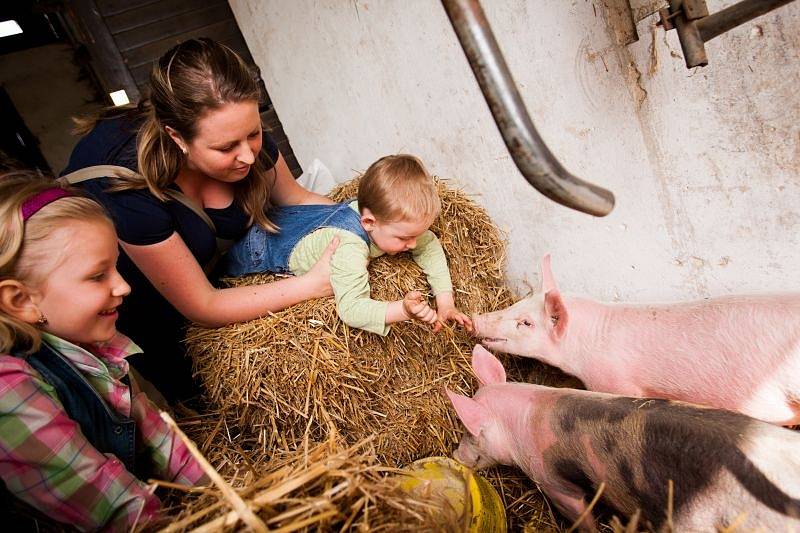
<point>445,314</point>
<point>417,308</point>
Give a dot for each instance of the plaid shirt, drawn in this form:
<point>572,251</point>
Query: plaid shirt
<point>46,461</point>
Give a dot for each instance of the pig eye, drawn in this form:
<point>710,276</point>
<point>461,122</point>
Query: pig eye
<point>525,322</point>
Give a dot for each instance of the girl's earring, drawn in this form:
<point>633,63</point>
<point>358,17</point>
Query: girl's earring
<point>42,322</point>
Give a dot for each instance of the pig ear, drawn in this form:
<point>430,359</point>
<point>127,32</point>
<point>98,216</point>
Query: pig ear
<point>548,282</point>
<point>486,366</point>
<point>471,413</point>
<point>556,312</point>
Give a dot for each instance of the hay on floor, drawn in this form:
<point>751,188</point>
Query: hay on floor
<point>317,487</point>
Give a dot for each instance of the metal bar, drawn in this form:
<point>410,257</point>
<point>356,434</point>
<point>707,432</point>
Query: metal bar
<point>733,16</point>
<point>531,155</point>
<point>694,50</point>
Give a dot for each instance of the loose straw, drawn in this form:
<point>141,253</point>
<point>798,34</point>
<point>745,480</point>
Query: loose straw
<point>241,508</point>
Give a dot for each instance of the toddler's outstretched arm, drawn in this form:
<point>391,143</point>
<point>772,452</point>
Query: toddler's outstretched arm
<point>446,311</point>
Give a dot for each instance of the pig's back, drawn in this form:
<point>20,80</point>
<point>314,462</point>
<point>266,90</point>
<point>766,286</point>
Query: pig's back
<point>738,352</point>
<point>718,460</point>
<point>763,494</point>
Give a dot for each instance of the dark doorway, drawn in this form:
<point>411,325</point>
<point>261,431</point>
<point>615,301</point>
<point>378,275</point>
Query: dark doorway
<point>43,83</point>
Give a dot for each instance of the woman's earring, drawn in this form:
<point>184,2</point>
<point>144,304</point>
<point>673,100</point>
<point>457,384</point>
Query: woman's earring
<point>42,321</point>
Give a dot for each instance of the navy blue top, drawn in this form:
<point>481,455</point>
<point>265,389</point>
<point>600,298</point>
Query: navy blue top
<point>142,219</point>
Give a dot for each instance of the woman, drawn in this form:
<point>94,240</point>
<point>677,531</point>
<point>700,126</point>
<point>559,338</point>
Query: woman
<point>199,134</point>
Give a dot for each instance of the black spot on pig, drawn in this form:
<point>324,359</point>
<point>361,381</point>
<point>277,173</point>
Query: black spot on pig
<point>625,471</point>
<point>691,445</point>
<point>591,411</point>
<point>657,441</point>
<point>609,444</point>
<point>572,472</point>
<point>567,424</point>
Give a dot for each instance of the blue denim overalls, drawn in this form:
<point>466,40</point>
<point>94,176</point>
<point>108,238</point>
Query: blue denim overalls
<point>260,251</point>
<point>107,430</point>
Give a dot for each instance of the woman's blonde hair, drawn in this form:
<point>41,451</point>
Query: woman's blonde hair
<point>20,242</point>
<point>398,187</point>
<point>188,81</point>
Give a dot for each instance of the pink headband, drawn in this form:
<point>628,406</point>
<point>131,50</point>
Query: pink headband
<point>41,199</point>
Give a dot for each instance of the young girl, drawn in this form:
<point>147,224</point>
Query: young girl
<point>76,434</point>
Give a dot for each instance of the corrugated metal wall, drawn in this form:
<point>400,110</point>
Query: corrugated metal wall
<point>145,29</point>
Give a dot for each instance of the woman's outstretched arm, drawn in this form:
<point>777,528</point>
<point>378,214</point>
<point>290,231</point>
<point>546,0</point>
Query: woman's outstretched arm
<point>175,273</point>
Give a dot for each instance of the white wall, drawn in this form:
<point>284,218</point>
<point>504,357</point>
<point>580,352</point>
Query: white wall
<point>704,163</point>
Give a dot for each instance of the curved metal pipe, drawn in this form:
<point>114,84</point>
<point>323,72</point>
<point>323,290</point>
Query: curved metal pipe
<point>533,159</point>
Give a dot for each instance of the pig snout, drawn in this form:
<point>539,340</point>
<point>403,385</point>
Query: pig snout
<point>469,457</point>
<point>459,456</point>
<point>490,330</point>
<point>485,325</point>
<point>477,324</point>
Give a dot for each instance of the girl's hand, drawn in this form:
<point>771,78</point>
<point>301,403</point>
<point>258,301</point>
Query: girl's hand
<point>320,274</point>
<point>446,314</point>
<point>416,308</point>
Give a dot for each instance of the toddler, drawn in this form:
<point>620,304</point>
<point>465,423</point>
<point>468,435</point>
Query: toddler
<point>397,203</point>
<point>76,434</point>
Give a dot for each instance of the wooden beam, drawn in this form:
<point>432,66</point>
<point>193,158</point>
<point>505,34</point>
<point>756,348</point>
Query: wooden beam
<point>106,58</point>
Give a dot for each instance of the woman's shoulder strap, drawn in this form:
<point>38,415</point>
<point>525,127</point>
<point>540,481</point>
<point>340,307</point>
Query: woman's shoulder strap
<point>178,196</point>
<point>104,171</point>
<point>97,171</point>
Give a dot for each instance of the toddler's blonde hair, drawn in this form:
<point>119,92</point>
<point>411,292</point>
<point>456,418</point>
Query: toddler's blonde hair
<point>21,250</point>
<point>398,188</point>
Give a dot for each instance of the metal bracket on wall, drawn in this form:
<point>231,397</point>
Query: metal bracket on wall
<point>695,27</point>
<point>533,159</point>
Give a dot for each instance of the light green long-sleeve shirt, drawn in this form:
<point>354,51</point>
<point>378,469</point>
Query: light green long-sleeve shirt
<point>349,276</point>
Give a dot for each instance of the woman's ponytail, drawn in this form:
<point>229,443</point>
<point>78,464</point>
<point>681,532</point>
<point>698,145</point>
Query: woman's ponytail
<point>159,157</point>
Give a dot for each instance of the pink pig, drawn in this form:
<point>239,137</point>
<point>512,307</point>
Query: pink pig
<point>740,353</point>
<point>725,468</point>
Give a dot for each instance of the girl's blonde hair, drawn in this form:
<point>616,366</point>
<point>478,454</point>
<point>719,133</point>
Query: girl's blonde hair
<point>398,187</point>
<point>20,242</point>
<point>189,80</point>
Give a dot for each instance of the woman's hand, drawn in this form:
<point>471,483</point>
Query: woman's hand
<point>416,308</point>
<point>320,274</point>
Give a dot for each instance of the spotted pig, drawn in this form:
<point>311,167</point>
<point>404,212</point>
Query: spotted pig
<point>725,468</point>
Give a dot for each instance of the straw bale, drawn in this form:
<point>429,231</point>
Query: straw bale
<point>300,369</point>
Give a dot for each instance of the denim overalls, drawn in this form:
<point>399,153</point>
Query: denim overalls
<point>108,431</point>
<point>260,251</point>
<point>104,428</point>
